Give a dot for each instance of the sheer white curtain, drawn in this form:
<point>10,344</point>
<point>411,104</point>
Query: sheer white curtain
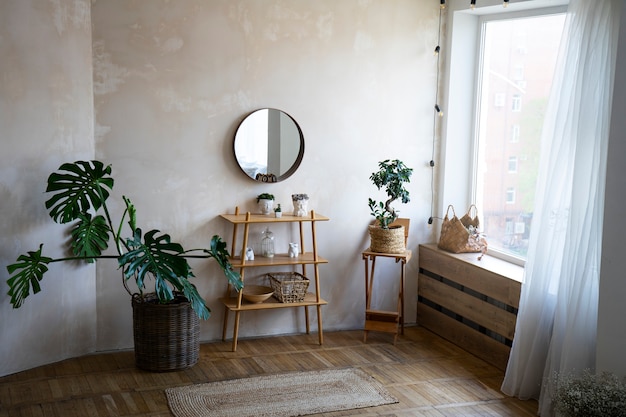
<point>556,328</point>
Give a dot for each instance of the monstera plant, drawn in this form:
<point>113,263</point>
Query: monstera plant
<point>79,192</point>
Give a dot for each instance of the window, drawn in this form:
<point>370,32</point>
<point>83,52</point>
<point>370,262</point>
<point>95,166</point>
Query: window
<point>515,131</point>
<point>517,103</point>
<point>510,196</point>
<point>507,201</point>
<point>499,100</point>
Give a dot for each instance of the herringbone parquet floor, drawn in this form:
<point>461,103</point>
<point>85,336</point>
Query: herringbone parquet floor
<point>428,375</point>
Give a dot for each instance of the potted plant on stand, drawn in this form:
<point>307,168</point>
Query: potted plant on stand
<point>392,176</point>
<point>170,309</point>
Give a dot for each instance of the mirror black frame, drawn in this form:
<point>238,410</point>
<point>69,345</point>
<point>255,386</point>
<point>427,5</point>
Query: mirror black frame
<point>270,177</point>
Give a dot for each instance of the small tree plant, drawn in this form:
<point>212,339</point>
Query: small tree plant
<point>79,194</point>
<point>392,175</point>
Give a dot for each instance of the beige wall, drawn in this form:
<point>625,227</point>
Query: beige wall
<point>171,82</point>
<point>46,116</point>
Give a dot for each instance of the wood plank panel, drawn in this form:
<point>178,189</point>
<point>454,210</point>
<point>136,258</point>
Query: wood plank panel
<point>488,276</point>
<point>474,342</point>
<point>468,306</point>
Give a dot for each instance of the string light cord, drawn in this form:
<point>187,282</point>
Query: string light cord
<point>438,112</point>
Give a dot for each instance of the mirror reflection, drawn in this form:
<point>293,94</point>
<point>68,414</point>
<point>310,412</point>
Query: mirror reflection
<point>269,145</point>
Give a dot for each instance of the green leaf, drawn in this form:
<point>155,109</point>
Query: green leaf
<point>218,250</point>
<point>159,258</point>
<point>78,187</point>
<point>90,236</point>
<point>132,213</point>
<point>26,273</point>
<point>197,302</point>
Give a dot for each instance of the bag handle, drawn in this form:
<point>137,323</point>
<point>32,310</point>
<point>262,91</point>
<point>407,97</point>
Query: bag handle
<point>448,211</point>
<point>470,209</point>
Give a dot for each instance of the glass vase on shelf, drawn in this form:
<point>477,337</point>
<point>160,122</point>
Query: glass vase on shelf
<point>267,243</point>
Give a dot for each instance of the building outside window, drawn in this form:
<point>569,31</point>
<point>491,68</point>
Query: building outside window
<point>507,201</point>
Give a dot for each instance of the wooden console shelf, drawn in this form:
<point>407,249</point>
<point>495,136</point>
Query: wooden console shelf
<point>236,303</point>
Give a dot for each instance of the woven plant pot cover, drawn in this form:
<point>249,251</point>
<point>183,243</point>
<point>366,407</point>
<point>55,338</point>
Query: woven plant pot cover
<point>387,240</point>
<point>167,336</point>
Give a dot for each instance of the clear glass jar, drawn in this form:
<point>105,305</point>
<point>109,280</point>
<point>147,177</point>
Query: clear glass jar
<point>267,243</point>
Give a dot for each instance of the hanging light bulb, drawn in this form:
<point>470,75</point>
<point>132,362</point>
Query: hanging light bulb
<point>472,4</point>
<point>506,3</point>
<point>437,49</point>
<point>442,4</point>
<point>438,110</point>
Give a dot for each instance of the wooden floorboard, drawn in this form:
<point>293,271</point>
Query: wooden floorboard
<point>428,375</point>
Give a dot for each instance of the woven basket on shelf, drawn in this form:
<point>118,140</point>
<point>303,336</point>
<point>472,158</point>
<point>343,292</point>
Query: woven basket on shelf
<point>289,287</point>
<point>387,240</point>
<point>167,336</point>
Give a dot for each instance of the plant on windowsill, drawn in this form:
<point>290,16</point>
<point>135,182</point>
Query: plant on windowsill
<point>392,175</point>
<point>79,193</point>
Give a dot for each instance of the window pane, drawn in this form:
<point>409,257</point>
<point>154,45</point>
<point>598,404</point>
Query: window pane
<point>518,60</point>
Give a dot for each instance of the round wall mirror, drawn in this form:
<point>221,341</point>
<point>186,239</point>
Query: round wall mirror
<point>268,145</point>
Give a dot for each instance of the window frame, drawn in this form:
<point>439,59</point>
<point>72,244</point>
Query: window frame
<point>459,144</point>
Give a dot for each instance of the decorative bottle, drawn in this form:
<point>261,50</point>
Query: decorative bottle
<point>267,243</point>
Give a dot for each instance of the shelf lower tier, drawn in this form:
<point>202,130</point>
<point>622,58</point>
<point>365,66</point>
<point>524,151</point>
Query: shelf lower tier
<point>309,300</point>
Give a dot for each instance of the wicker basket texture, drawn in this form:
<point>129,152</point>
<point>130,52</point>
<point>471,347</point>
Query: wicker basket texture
<point>387,240</point>
<point>289,287</point>
<point>167,336</point>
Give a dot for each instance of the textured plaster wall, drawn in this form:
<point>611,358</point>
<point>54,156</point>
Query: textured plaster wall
<point>171,82</point>
<point>46,116</point>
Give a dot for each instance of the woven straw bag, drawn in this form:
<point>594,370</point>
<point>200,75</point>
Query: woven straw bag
<point>456,236</point>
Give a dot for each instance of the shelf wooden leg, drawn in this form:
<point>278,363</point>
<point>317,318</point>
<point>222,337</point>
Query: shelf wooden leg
<point>306,319</point>
<point>226,311</point>
<point>320,328</point>
<point>236,330</point>
<point>401,298</point>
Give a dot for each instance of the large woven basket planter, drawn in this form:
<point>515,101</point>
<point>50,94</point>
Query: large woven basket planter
<point>387,240</point>
<point>167,336</point>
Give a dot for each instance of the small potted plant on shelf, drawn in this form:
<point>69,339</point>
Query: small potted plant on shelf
<point>392,175</point>
<point>265,201</point>
<point>278,212</point>
<point>79,193</point>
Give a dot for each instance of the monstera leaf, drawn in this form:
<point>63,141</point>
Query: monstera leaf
<point>197,302</point>
<point>160,258</point>
<point>157,257</point>
<point>78,191</point>
<point>218,250</point>
<point>29,270</point>
<point>78,187</point>
<point>90,237</point>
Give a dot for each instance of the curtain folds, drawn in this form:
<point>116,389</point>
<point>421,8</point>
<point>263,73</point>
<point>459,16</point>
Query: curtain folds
<point>557,320</point>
